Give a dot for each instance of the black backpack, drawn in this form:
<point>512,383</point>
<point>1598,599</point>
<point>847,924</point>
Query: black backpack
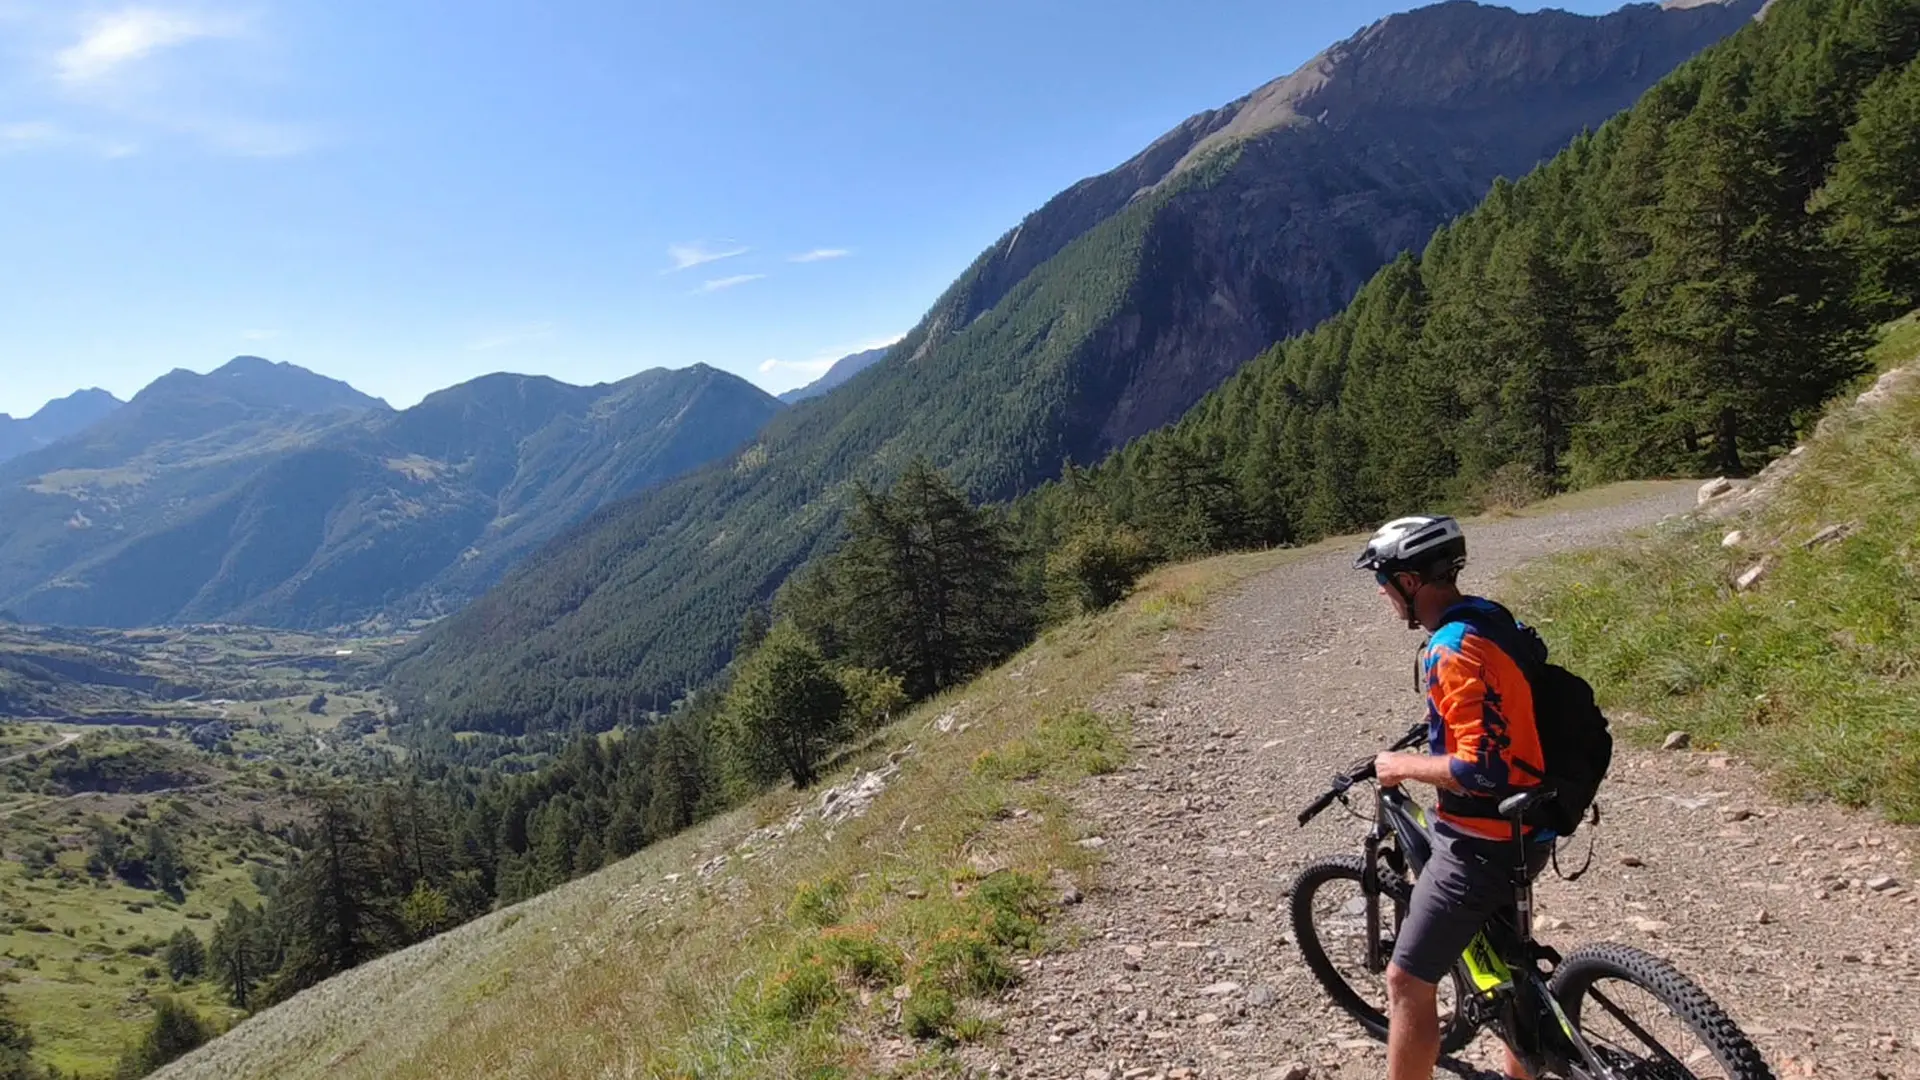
<point>1573,731</point>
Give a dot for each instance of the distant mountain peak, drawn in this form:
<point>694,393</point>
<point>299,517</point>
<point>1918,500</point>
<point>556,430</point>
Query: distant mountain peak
<point>257,382</point>
<point>843,369</point>
<point>1459,54</point>
<point>92,402</point>
<point>242,365</point>
<point>54,421</point>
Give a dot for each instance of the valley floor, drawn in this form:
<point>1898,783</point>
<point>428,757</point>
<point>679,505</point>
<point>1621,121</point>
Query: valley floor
<point>1185,963</point>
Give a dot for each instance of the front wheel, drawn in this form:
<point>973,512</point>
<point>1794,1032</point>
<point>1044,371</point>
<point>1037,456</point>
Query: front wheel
<point>1643,1018</point>
<point>1329,908</point>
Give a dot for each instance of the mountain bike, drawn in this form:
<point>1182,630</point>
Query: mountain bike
<point>1603,1012</point>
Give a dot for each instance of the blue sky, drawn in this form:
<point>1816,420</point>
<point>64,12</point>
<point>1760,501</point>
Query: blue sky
<point>406,195</point>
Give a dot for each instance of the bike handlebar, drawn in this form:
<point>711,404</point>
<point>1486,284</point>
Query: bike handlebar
<point>1360,774</point>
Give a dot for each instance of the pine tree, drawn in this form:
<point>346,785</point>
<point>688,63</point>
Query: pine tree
<point>785,709</point>
<point>164,867</point>
<point>1534,354</point>
<point>174,1030</point>
<point>1729,315</point>
<point>678,780</point>
<point>426,911</point>
<point>337,915</point>
<point>186,955</point>
<point>1874,195</point>
<point>236,954</point>
<point>927,583</point>
<point>1193,507</point>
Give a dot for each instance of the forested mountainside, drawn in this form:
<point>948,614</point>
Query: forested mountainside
<point>1675,294</point>
<point>54,421</point>
<point>265,494</point>
<point>843,369</point>
<point>1103,315</point>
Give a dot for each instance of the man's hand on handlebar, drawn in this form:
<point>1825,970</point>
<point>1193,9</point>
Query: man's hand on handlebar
<point>1393,768</point>
<point>1388,767</point>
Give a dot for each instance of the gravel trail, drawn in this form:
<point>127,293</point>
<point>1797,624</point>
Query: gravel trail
<point>1184,969</point>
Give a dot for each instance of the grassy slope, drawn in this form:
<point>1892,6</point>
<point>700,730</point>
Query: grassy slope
<point>1815,673</point>
<point>941,886</point>
<point>76,953</point>
<point>84,956</point>
<point>647,969</point>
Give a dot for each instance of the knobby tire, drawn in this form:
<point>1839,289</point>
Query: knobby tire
<point>1591,964</point>
<point>1456,1032</point>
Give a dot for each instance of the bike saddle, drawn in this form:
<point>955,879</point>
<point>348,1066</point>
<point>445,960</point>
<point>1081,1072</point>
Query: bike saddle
<point>1517,807</point>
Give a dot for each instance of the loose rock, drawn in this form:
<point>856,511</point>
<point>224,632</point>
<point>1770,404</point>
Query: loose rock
<point>1713,489</point>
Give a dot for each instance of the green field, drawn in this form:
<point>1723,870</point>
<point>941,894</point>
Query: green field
<point>81,950</point>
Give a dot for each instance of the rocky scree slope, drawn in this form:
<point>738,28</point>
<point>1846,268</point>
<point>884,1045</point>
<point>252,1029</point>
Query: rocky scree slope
<point>1105,314</point>
<point>266,494</point>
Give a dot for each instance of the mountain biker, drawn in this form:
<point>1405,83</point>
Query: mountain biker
<point>1483,746</point>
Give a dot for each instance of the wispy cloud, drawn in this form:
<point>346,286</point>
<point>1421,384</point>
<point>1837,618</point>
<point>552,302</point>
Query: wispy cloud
<point>815,368</point>
<point>700,252</point>
<point>259,335</point>
<point>114,40</point>
<point>818,365</point>
<point>121,76</point>
<point>819,255</point>
<point>42,135</point>
<point>717,284</point>
<point>507,337</point>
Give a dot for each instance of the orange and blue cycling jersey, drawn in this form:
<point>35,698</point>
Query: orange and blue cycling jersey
<point>1480,715</point>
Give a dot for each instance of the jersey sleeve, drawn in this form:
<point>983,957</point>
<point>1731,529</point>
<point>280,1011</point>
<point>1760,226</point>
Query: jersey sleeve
<point>1470,709</point>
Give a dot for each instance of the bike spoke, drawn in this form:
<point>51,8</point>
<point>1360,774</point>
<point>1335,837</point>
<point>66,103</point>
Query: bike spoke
<point>1646,1038</point>
<point>1340,915</point>
<point>1640,1039</point>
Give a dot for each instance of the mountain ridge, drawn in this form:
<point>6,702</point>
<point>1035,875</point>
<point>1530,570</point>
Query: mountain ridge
<point>1102,315</point>
<point>54,421</point>
<point>843,369</point>
<point>264,493</point>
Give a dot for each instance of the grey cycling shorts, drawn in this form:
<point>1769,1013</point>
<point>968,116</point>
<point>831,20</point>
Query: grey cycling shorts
<point>1463,884</point>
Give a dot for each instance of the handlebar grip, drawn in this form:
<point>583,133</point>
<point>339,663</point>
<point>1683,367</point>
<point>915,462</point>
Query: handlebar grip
<point>1313,810</point>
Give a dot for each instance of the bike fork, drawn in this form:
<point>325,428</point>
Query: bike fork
<point>1370,888</point>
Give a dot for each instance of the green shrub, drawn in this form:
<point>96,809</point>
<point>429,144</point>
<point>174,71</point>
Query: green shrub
<point>800,989</point>
<point>818,903</point>
<point>928,1013</point>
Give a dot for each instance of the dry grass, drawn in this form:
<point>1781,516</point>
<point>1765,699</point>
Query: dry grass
<point>810,957</point>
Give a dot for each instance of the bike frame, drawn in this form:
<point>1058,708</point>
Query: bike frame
<point>1517,1008</point>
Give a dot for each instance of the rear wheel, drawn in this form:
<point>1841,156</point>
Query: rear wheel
<point>1329,908</point>
<point>1646,1021</point>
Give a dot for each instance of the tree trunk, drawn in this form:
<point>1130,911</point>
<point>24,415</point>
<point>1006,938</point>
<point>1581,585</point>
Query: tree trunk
<point>1726,441</point>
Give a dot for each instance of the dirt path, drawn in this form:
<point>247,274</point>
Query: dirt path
<point>64,740</point>
<point>1184,971</point>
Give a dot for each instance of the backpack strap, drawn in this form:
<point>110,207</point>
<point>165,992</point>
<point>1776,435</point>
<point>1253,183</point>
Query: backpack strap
<point>1593,814</point>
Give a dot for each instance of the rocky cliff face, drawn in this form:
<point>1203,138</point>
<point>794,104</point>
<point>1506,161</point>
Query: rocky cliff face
<point>1288,199</point>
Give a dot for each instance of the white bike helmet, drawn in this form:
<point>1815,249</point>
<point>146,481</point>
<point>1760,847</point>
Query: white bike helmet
<point>1433,547</point>
<point>1429,546</point>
